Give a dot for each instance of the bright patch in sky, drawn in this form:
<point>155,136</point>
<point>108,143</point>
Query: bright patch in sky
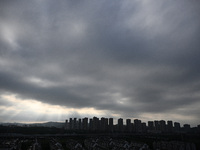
<point>36,111</point>
<point>8,33</point>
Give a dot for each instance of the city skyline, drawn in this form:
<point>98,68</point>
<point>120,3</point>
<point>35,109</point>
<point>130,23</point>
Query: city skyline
<point>121,59</point>
<point>107,125</point>
<point>85,121</point>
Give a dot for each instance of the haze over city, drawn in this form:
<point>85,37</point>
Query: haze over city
<point>119,59</point>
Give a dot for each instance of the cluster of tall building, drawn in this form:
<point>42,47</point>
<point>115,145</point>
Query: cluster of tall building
<point>92,124</point>
<point>107,125</point>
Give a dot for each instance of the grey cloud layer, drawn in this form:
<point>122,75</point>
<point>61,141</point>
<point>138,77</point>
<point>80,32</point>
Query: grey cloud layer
<point>125,57</point>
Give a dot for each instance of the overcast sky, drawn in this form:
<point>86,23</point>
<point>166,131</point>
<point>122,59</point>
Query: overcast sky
<point>130,59</point>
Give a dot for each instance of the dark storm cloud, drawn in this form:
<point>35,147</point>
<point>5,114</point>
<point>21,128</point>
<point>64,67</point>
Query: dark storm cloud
<point>123,57</point>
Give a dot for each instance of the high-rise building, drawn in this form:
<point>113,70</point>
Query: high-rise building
<point>66,124</point>
<point>111,124</point>
<point>162,125</point>
<point>96,123</point>
<point>70,124</point>
<point>103,124</point>
<point>128,125</point>
<point>91,124</point>
<point>157,125</point>
<point>169,126</point>
<point>79,124</point>
<point>106,123</point>
<point>144,127</point>
<point>186,127</point>
<point>150,126</point>
<point>198,128</point>
<point>74,124</point>
<point>177,126</point>
<point>137,125</point>
<point>120,125</point>
<point>85,124</point>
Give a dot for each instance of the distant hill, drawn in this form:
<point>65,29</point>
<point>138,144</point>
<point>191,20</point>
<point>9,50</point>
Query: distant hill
<point>46,124</point>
